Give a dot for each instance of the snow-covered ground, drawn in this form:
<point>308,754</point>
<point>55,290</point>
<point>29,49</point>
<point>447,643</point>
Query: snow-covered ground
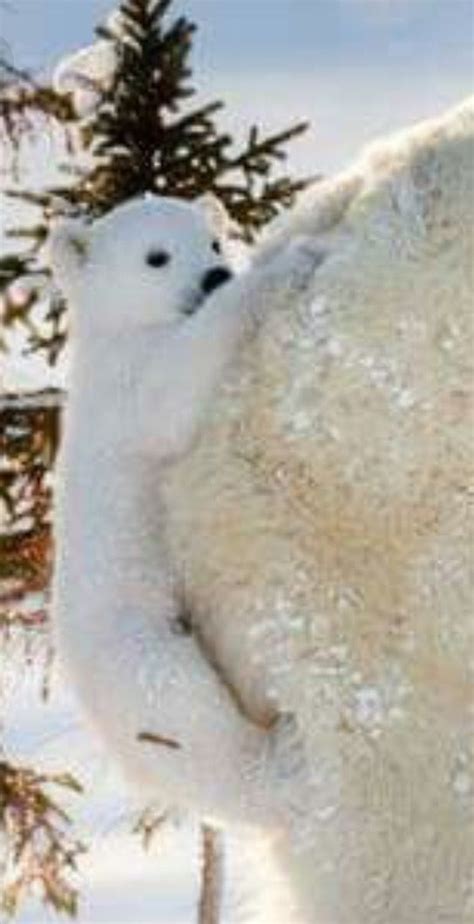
<point>120,882</point>
<point>122,885</point>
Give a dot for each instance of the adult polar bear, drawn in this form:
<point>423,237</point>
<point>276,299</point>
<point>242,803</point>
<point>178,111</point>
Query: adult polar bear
<point>330,493</point>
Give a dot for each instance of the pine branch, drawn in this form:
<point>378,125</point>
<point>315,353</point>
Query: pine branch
<point>29,439</point>
<point>22,99</point>
<point>267,149</point>
<point>12,267</point>
<point>41,855</point>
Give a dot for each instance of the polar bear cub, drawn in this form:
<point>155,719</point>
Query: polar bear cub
<point>155,319</point>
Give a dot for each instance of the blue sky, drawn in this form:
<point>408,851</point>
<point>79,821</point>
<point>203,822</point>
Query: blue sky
<point>355,68</point>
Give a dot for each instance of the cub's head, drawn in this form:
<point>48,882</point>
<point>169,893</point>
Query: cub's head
<point>152,260</point>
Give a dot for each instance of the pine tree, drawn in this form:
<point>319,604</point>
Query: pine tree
<point>147,140</point>
<point>143,135</point>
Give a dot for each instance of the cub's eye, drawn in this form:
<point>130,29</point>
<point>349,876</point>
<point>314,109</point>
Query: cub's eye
<point>216,247</point>
<point>157,258</point>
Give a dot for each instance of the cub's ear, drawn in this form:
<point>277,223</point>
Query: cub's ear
<point>219,218</point>
<point>68,246</point>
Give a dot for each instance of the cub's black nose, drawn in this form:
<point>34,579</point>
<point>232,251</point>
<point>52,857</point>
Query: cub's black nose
<point>215,277</point>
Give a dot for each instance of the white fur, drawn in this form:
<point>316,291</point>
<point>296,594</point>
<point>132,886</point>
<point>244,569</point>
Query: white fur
<point>321,523</point>
<point>324,524</point>
<point>143,373</point>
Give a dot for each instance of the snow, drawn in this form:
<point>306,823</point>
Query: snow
<point>124,885</point>
<point>120,882</point>
<point>82,72</point>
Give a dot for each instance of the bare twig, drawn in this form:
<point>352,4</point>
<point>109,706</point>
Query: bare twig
<point>212,876</point>
<point>152,738</point>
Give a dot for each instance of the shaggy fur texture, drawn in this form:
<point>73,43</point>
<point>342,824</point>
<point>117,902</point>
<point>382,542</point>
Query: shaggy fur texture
<point>150,344</point>
<point>322,525</point>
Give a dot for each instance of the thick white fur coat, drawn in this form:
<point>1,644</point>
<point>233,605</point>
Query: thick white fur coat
<point>148,351</point>
<point>323,523</point>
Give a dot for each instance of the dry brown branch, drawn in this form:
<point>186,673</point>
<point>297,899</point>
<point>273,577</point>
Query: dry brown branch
<point>40,853</point>
<point>212,876</point>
